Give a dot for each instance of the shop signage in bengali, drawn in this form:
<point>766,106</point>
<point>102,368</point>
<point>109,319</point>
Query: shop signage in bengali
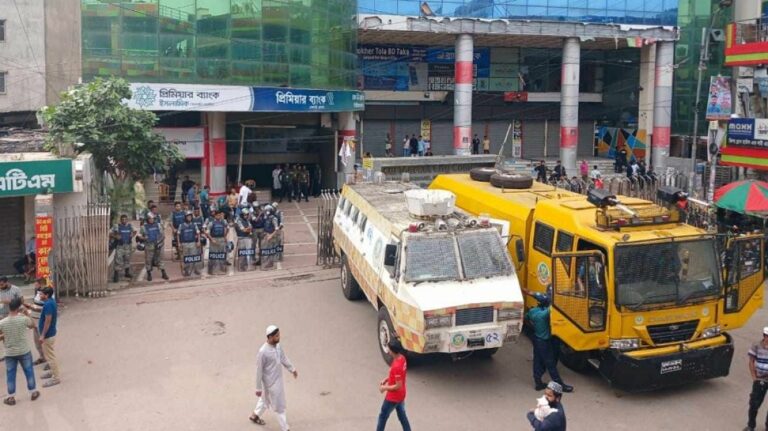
<point>189,140</point>
<point>35,177</point>
<point>748,132</point>
<point>43,244</point>
<point>193,97</point>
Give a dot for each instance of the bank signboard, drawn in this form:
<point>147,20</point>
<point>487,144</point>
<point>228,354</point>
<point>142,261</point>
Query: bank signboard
<point>22,178</point>
<point>189,140</point>
<point>230,98</point>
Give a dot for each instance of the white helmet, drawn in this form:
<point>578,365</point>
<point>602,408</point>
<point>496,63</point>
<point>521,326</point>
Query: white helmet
<point>274,205</point>
<point>268,208</point>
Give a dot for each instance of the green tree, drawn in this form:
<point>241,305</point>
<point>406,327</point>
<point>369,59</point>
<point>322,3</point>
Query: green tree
<point>93,118</point>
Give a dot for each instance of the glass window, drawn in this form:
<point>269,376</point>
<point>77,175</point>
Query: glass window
<point>244,49</point>
<point>431,258</point>
<point>301,76</point>
<point>483,255</point>
<point>543,237</point>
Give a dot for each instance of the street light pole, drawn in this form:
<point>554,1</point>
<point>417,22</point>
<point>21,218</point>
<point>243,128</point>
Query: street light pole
<point>703,59</point>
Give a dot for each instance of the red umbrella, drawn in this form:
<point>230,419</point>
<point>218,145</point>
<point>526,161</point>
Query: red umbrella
<point>744,197</point>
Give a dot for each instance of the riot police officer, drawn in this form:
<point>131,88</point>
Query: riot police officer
<point>216,230</point>
<point>257,228</point>
<point>279,235</point>
<point>245,251</point>
<point>123,232</point>
<point>189,240</point>
<point>269,243</point>
<point>177,218</point>
<point>154,238</point>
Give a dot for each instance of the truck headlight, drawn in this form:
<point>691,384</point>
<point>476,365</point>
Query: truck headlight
<point>712,331</point>
<point>625,343</point>
<point>438,321</point>
<point>509,314</point>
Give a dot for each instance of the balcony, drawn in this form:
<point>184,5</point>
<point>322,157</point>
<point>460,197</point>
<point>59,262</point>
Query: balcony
<point>746,43</point>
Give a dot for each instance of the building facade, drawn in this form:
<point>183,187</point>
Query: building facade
<point>39,56</point>
<point>243,84</point>
<point>536,74</point>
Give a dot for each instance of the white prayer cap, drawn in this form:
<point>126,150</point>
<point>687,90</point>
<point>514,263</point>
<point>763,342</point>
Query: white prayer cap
<point>271,329</point>
<point>765,330</point>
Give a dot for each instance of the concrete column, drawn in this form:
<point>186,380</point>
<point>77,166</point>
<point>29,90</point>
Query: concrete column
<point>569,103</point>
<point>216,162</point>
<point>662,105</point>
<point>645,98</point>
<point>347,133</point>
<point>462,104</point>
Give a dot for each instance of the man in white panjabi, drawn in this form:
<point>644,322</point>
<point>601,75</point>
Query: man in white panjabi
<point>269,379</point>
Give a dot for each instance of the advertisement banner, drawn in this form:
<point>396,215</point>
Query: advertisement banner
<point>426,130</point>
<point>301,100</point>
<point>190,97</point>
<point>189,140</point>
<point>719,101</point>
<point>43,245</point>
<point>35,177</point>
<point>742,133</point>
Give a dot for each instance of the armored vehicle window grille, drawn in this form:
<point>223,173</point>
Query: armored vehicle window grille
<point>482,255</point>
<point>474,316</point>
<point>431,258</point>
<point>672,332</point>
<point>564,241</point>
<point>543,237</point>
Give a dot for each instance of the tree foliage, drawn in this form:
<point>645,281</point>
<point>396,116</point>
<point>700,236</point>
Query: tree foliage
<point>93,118</point>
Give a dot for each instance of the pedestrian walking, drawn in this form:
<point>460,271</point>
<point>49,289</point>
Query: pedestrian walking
<point>123,233</point>
<point>475,145</point>
<point>13,333</point>
<point>276,184</point>
<point>46,327</point>
<point>758,368</point>
<point>584,170</point>
<point>269,379</point>
<point>8,293</point>
<point>216,231</point>
<point>188,237</point>
<point>192,200</point>
<point>394,387</point>
<point>154,238</point>
<point>33,312</point>
<point>486,145</point>
<point>406,146</point>
<point>541,172</point>
<point>544,358</point>
<point>555,420</point>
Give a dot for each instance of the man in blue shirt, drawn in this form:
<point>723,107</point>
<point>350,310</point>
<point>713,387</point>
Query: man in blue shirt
<point>555,421</point>
<point>205,202</point>
<point>47,331</point>
<point>543,347</point>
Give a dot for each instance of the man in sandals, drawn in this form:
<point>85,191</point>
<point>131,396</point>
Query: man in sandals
<point>269,379</point>
<point>13,332</point>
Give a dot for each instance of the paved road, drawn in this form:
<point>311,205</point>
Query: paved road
<point>182,359</point>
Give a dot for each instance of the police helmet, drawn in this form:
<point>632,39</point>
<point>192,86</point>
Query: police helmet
<point>187,213</point>
<point>542,299</point>
<point>245,211</point>
<point>274,205</point>
<point>150,215</point>
<point>268,208</point>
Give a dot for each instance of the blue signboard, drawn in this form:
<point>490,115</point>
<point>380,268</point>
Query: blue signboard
<point>741,128</point>
<point>302,100</point>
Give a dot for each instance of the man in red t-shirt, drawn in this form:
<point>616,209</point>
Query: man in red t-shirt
<point>394,386</point>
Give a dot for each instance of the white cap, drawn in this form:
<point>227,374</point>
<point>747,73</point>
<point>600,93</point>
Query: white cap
<point>271,329</point>
<point>765,330</point>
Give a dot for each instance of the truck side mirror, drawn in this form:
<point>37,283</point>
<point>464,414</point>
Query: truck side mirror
<point>520,250</point>
<point>390,255</point>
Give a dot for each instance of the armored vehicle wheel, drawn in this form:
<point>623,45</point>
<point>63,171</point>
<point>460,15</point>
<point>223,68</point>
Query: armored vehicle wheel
<point>512,181</point>
<point>385,333</point>
<point>349,286</point>
<point>482,174</point>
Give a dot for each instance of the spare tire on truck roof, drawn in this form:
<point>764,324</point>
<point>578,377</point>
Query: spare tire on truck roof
<point>512,181</point>
<point>482,174</point>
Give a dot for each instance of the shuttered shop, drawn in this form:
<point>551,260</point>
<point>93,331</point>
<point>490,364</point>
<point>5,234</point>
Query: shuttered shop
<point>11,236</point>
<point>533,139</point>
<point>375,137</point>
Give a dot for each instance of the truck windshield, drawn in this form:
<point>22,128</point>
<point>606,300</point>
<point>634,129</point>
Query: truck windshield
<point>483,255</point>
<point>680,272</point>
<point>431,258</point>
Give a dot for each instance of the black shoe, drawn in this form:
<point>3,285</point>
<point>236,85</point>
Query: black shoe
<point>164,275</point>
<point>149,275</point>
<point>540,386</point>
<point>567,388</point>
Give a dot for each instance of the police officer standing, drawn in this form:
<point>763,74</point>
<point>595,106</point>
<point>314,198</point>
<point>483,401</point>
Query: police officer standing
<point>295,172</point>
<point>286,180</point>
<point>245,251</point>
<point>154,237</point>
<point>177,218</point>
<point>257,228</point>
<point>543,347</point>
<point>269,242</point>
<point>189,239</point>
<point>279,235</point>
<point>123,232</point>
<point>216,230</point>
<point>304,183</point>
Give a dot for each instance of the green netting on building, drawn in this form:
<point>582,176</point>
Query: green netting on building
<point>296,43</point>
